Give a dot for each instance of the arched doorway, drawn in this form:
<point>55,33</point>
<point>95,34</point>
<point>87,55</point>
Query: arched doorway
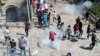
<point>11,15</point>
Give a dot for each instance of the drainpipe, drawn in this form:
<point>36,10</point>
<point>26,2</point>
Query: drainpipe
<point>29,17</point>
<point>28,10</point>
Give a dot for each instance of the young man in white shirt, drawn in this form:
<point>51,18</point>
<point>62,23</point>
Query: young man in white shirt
<point>7,34</point>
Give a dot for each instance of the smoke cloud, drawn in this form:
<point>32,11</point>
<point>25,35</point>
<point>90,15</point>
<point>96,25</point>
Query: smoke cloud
<point>56,44</point>
<point>78,9</point>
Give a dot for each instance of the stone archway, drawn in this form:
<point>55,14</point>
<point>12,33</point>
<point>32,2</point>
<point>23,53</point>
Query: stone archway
<point>11,14</point>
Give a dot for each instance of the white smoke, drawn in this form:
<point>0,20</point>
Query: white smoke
<point>77,9</point>
<point>46,42</point>
<point>73,9</point>
<point>88,4</point>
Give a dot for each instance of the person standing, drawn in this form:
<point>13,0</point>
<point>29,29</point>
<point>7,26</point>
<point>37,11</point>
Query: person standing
<point>76,30</point>
<point>34,2</point>
<point>93,40</point>
<point>45,19</point>
<point>54,16</point>
<point>62,29</point>
<point>22,45</point>
<point>88,31</point>
<point>40,18</point>
<point>46,6</point>
<point>80,28</point>
<point>13,47</point>
<point>97,25</point>
<point>7,34</point>
<point>59,21</point>
<point>27,26</point>
<point>68,32</point>
<point>51,7</point>
<point>49,14</point>
<point>52,35</point>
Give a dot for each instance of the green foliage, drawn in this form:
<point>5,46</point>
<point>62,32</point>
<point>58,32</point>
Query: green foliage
<point>96,9</point>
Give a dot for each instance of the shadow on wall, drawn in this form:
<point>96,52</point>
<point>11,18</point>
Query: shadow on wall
<point>14,14</point>
<point>23,14</point>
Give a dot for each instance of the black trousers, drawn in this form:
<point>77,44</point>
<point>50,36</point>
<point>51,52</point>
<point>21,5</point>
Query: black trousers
<point>58,24</point>
<point>26,31</point>
<point>92,45</point>
<point>81,31</point>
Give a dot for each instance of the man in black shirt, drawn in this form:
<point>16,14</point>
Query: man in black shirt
<point>49,14</point>
<point>40,13</point>
<point>59,21</point>
<point>80,28</point>
<point>93,39</point>
<point>88,31</point>
<point>27,26</point>
<point>13,47</point>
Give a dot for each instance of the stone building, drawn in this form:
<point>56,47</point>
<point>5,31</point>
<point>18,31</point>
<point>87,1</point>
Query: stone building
<point>15,10</point>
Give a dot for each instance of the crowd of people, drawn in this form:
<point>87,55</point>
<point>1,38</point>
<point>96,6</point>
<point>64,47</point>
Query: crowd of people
<point>44,17</point>
<point>12,44</point>
<point>41,9</point>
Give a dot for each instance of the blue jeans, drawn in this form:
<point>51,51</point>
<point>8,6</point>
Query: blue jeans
<point>13,52</point>
<point>45,23</point>
<point>23,51</point>
<point>76,33</point>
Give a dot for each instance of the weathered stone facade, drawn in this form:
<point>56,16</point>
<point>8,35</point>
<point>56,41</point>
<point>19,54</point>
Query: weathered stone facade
<point>15,10</point>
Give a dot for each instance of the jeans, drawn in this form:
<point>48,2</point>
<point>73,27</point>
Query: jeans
<point>23,51</point>
<point>45,23</point>
<point>13,52</point>
<point>76,33</point>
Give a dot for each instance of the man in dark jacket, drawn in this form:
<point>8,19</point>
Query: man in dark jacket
<point>93,40</point>
<point>49,14</point>
<point>80,28</point>
<point>13,47</point>
<point>40,14</point>
<point>27,26</point>
<point>59,21</point>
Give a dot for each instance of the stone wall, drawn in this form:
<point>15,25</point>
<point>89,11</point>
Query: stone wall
<point>15,10</point>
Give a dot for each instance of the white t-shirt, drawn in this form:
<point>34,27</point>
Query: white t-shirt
<point>46,6</point>
<point>6,32</point>
<point>54,15</point>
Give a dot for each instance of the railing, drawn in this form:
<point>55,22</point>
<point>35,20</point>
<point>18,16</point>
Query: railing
<point>93,18</point>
